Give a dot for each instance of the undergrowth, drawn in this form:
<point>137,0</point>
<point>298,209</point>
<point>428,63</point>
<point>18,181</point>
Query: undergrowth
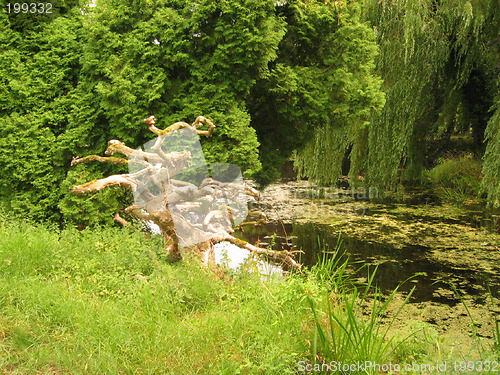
<point>105,301</point>
<point>457,179</point>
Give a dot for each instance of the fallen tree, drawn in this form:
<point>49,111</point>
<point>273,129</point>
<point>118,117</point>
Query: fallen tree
<point>172,188</point>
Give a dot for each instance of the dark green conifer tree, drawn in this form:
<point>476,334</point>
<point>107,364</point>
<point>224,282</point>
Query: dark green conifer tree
<point>75,79</point>
<point>39,68</point>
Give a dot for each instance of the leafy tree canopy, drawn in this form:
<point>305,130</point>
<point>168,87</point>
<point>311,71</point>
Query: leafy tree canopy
<point>382,82</point>
<point>89,74</point>
<point>320,91</point>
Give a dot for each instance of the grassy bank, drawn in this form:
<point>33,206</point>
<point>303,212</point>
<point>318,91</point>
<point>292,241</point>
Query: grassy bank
<point>106,302</point>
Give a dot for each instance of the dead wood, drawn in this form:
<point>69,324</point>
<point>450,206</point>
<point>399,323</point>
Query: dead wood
<point>155,171</point>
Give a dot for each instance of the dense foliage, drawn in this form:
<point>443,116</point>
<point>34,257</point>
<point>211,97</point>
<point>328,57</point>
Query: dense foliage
<point>89,74</point>
<point>77,80</point>
<point>491,168</point>
<point>321,90</point>
<point>177,61</point>
<point>39,69</point>
<point>457,180</point>
<point>101,302</point>
<point>273,76</point>
<point>439,62</point>
<point>440,65</point>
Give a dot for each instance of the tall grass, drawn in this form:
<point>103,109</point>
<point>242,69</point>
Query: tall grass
<point>105,301</point>
<point>347,331</point>
<point>496,327</point>
<point>457,180</point>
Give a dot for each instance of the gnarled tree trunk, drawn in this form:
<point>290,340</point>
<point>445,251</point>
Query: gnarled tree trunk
<point>172,203</point>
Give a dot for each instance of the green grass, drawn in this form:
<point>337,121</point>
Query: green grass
<point>343,335</point>
<point>457,180</point>
<point>105,301</point>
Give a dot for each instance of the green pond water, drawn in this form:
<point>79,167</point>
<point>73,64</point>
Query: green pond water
<point>450,249</point>
<point>441,243</point>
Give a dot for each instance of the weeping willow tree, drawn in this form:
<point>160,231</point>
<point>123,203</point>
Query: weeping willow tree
<point>345,68</point>
<point>321,89</point>
<point>491,166</point>
<point>414,52</point>
<point>439,61</point>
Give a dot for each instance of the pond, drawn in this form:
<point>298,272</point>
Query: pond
<point>394,265</point>
<point>450,249</point>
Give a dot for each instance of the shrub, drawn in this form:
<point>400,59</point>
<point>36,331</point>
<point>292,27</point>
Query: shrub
<point>457,179</point>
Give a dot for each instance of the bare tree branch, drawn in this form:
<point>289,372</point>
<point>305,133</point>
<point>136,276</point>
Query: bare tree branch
<point>97,185</point>
<point>101,159</point>
<point>120,220</point>
<point>168,202</point>
<point>199,122</point>
<point>282,256</point>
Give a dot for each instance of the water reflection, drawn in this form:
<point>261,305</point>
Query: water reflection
<point>394,264</point>
<point>233,257</point>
